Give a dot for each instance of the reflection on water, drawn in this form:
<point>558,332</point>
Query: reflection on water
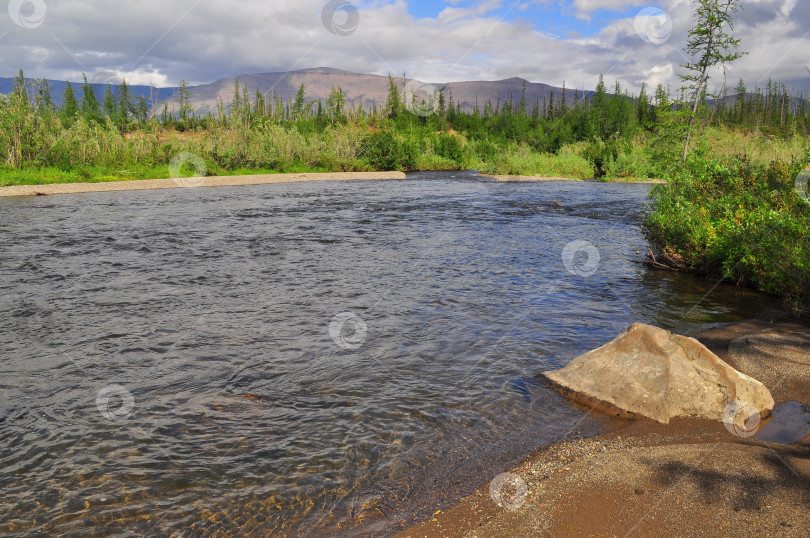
<point>789,422</point>
<point>211,310</point>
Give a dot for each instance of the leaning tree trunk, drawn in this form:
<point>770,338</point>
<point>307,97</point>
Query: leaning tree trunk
<point>704,67</point>
<point>694,115</point>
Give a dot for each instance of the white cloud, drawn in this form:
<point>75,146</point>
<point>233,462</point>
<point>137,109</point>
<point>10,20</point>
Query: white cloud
<point>203,40</point>
<point>584,8</point>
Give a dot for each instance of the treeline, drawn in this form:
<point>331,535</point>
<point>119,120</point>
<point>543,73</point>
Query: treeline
<point>594,134</point>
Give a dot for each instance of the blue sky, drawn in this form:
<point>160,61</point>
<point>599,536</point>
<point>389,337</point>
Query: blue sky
<point>555,17</point>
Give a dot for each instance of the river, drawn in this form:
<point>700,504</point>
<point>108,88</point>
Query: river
<point>306,358</point>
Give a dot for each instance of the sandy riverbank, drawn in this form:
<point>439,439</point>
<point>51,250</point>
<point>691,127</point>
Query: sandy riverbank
<point>688,478</point>
<point>506,178</point>
<point>540,179</point>
<point>212,181</point>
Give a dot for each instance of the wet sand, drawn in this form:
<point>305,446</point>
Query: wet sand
<point>191,182</point>
<point>688,478</point>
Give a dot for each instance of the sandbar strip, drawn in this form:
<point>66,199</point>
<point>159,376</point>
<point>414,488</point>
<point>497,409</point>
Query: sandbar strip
<point>507,178</point>
<point>191,182</point>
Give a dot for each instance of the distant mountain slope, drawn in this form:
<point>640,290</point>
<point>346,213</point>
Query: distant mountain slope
<point>369,89</point>
<point>318,82</point>
<point>58,87</point>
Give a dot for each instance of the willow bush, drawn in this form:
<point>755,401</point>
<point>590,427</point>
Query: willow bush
<point>736,220</point>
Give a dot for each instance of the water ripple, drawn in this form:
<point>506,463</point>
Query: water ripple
<point>211,310</point>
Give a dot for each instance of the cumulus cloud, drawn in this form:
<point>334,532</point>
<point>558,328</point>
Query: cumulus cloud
<point>203,40</point>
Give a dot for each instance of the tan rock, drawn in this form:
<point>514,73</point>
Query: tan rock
<point>648,371</point>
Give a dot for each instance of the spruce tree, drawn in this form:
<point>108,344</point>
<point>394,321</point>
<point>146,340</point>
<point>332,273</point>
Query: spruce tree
<point>711,44</point>
<point>260,105</point>
<point>599,109</point>
<point>740,97</point>
<point>299,104</point>
<point>522,105</point>
<point>44,108</point>
<point>125,107</point>
<point>442,105</point>
<point>108,103</point>
<point>393,104</point>
<point>184,101</point>
<point>642,110</point>
<point>70,107</point>
<point>141,110</point>
<point>335,103</point>
<point>89,106</point>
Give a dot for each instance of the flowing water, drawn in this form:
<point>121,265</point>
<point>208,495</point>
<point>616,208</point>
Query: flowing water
<point>304,358</point>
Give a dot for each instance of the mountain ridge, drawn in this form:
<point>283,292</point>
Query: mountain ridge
<point>368,89</point>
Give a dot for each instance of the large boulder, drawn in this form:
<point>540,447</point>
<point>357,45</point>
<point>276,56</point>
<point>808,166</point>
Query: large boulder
<point>648,371</point>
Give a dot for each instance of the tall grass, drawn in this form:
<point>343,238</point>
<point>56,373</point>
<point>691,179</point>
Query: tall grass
<point>524,160</point>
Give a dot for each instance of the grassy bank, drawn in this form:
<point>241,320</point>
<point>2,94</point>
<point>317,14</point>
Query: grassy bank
<point>85,153</point>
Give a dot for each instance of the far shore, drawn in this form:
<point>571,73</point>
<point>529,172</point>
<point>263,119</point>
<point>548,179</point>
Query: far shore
<point>189,182</point>
<point>540,178</point>
<point>48,189</point>
<point>535,178</point>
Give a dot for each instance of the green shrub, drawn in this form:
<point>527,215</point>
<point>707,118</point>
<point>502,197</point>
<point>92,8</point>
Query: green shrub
<point>602,155</point>
<point>486,150</point>
<point>384,150</point>
<point>735,220</point>
<point>521,159</point>
<point>449,147</point>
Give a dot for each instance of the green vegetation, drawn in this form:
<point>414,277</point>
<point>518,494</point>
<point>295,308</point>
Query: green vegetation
<point>600,134</point>
<point>732,210</point>
<point>729,209</point>
<point>737,220</point>
<point>712,45</point>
